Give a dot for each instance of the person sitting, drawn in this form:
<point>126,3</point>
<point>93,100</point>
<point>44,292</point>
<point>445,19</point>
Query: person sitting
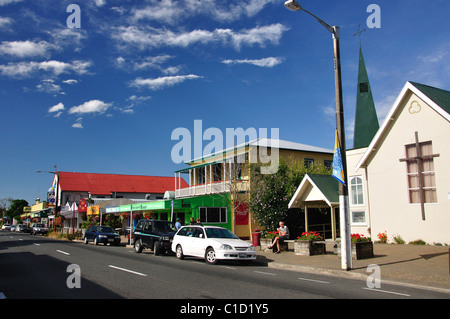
<point>283,232</point>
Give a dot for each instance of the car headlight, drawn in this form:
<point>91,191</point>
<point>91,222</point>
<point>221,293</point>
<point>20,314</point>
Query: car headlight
<point>225,246</point>
<point>102,236</point>
<point>165,238</point>
<point>251,248</point>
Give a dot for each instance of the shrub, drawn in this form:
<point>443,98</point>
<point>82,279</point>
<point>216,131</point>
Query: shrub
<point>398,240</point>
<point>417,242</point>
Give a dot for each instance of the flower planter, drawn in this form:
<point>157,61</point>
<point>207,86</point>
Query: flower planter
<point>265,243</point>
<point>360,250</point>
<point>309,247</point>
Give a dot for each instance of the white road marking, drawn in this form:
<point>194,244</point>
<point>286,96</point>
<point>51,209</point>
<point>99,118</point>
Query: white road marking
<point>387,292</point>
<point>313,280</point>
<point>228,267</point>
<point>127,270</point>
<point>36,244</point>
<point>265,273</point>
<point>63,252</point>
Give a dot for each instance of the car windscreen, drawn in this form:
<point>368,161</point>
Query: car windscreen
<point>162,226</point>
<point>104,229</point>
<point>219,233</point>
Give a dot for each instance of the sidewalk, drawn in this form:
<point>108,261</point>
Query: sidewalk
<point>426,266</point>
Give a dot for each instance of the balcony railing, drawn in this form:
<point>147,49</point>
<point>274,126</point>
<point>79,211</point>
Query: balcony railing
<point>212,188</point>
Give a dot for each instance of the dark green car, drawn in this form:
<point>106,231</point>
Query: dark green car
<point>154,234</point>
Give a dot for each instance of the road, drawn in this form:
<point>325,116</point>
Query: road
<point>37,267</point>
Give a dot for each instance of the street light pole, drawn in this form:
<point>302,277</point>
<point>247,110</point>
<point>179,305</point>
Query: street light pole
<point>56,194</point>
<point>346,249</point>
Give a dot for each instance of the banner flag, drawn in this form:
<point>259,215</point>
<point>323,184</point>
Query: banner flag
<point>338,168</point>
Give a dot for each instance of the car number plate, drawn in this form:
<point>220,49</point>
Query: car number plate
<point>111,239</point>
<point>242,255</point>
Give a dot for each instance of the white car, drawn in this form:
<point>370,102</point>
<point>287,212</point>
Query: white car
<point>212,243</point>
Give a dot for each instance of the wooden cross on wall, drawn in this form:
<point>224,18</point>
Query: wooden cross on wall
<point>419,158</point>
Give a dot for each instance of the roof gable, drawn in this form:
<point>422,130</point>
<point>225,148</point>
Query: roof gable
<point>437,99</point>
<point>326,185</point>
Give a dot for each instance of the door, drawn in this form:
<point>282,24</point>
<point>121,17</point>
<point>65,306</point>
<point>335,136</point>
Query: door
<point>198,241</point>
<point>146,235</point>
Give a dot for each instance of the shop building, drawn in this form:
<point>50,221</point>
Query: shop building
<point>226,173</point>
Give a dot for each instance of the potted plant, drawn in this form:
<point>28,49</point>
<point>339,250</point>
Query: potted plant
<point>267,239</point>
<point>309,244</point>
<point>362,247</point>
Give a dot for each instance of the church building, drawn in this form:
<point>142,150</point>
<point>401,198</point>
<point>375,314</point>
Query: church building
<point>398,173</point>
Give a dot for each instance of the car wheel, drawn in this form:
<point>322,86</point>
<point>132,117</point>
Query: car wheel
<point>138,246</point>
<point>210,256</point>
<point>157,248</point>
<point>86,241</point>
<point>179,252</point>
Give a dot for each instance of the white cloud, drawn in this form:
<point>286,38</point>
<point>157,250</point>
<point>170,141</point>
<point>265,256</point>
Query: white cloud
<point>77,125</point>
<point>70,81</point>
<point>56,108</point>
<point>92,106</point>
<point>174,11</point>
<point>6,2</point>
<point>149,37</point>
<point>159,83</point>
<point>265,62</point>
<point>5,22</point>
<point>23,49</point>
<point>49,86</point>
<point>26,69</point>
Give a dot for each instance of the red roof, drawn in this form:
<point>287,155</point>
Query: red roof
<point>105,184</point>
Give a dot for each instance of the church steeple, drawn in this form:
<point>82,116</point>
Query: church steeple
<point>366,120</point>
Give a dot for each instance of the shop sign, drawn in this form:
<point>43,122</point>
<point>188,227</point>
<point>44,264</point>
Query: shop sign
<point>110,210</point>
<point>93,210</point>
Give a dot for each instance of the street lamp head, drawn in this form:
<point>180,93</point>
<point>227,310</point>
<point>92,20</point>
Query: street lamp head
<point>293,5</point>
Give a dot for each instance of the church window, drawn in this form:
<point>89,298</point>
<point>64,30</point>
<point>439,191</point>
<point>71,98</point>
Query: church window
<point>420,170</point>
<point>357,191</point>
<point>363,87</point>
<point>358,217</point>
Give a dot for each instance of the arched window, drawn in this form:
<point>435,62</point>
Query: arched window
<point>357,191</point>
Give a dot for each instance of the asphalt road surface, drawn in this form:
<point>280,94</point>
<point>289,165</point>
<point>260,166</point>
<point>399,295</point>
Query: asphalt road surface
<point>34,267</point>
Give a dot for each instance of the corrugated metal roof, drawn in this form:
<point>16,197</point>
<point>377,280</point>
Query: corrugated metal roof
<point>105,184</point>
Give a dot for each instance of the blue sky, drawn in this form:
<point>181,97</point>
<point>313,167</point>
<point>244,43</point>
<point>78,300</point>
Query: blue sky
<point>106,97</point>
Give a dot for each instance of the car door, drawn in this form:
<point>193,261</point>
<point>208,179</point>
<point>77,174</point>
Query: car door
<point>146,234</point>
<point>198,241</point>
<point>187,241</point>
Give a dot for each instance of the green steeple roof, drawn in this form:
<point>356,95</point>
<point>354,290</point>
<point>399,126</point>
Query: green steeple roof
<point>366,120</point>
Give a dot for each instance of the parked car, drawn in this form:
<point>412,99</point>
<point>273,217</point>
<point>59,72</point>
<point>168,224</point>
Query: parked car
<point>12,228</point>
<point>153,234</point>
<point>211,243</point>
<point>101,234</point>
<point>6,227</point>
<point>38,229</point>
<point>21,228</point>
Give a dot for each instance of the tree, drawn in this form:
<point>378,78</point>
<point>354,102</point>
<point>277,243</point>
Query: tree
<point>16,208</point>
<point>270,193</point>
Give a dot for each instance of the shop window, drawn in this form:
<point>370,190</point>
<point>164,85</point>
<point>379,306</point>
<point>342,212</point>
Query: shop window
<point>309,162</point>
<point>328,164</point>
<point>217,215</point>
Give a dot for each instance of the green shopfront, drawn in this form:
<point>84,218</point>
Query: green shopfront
<point>209,209</point>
